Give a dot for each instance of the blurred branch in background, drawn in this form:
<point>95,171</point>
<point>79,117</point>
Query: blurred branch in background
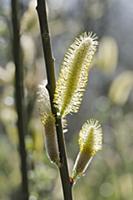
<point>19,97</point>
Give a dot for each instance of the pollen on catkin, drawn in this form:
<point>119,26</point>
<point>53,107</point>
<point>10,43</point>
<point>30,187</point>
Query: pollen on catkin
<point>74,73</point>
<point>48,121</point>
<point>90,141</point>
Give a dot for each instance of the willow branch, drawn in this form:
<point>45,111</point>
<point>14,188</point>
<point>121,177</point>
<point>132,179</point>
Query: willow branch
<point>49,61</point>
<point>19,97</point>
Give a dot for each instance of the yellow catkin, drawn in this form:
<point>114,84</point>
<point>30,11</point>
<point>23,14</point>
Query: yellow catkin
<point>90,141</point>
<point>74,73</point>
<point>48,121</point>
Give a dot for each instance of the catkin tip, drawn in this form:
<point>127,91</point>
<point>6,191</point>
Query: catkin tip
<point>90,137</point>
<point>43,100</point>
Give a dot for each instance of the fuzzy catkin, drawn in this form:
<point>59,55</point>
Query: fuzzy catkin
<point>90,141</point>
<point>74,74</point>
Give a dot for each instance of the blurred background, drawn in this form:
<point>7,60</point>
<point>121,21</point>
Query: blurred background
<point>108,98</point>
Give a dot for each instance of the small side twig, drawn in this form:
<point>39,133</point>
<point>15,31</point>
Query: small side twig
<point>64,173</point>
<point>19,97</point>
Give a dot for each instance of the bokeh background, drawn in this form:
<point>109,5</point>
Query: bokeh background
<point>108,98</point>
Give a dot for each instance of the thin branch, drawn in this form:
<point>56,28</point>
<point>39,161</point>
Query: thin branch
<point>19,97</point>
<point>64,173</point>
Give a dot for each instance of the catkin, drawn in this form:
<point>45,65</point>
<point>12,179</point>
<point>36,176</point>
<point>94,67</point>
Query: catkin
<point>48,121</point>
<point>90,141</point>
<point>74,74</point>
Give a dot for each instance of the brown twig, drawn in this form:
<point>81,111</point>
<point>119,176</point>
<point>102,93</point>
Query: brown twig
<point>64,173</point>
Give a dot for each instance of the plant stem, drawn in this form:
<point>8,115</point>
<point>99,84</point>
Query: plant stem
<point>19,97</point>
<point>49,61</point>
